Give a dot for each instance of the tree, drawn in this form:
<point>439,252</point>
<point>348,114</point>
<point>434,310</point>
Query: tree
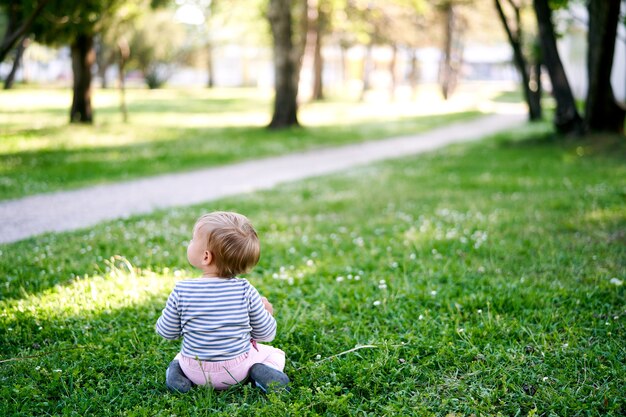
<point>452,57</point>
<point>515,35</point>
<point>76,23</point>
<point>19,53</point>
<point>566,118</point>
<point>21,16</point>
<point>602,113</point>
<point>287,58</point>
<point>318,26</point>
<point>394,24</point>
<point>151,52</point>
<point>451,62</point>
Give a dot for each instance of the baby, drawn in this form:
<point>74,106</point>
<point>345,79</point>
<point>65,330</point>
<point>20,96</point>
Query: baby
<point>219,316</point>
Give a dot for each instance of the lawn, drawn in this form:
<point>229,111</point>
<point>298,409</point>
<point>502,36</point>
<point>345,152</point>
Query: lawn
<point>177,130</point>
<point>481,279</point>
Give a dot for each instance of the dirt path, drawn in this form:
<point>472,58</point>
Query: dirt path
<point>69,210</point>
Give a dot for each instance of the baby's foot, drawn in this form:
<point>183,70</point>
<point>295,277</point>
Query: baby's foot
<point>268,378</point>
<point>175,379</point>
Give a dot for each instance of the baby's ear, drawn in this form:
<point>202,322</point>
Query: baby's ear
<point>207,258</point>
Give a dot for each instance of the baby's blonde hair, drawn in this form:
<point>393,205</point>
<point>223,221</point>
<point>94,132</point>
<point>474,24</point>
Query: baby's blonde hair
<point>232,241</point>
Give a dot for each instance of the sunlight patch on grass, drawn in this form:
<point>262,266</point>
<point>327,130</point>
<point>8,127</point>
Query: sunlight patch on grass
<point>611,215</point>
<point>120,286</point>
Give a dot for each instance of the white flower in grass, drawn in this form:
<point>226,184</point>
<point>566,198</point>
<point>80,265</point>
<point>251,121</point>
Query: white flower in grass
<point>310,263</point>
<point>318,357</point>
<point>479,311</point>
<point>617,282</point>
<point>357,277</point>
<point>421,317</point>
<point>433,293</point>
<point>461,330</point>
<point>376,303</point>
<point>339,279</point>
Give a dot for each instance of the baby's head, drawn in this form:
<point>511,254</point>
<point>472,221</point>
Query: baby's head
<point>231,241</point>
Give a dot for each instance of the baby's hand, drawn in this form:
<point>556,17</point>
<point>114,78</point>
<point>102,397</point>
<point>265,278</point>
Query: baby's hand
<point>268,306</point>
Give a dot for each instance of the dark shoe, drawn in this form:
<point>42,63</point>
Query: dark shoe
<point>268,378</point>
<point>175,379</point>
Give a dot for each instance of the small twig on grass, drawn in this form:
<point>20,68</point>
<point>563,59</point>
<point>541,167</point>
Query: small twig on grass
<point>358,347</point>
<point>40,355</point>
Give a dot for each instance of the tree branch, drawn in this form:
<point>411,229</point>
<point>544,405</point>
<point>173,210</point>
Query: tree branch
<point>9,41</point>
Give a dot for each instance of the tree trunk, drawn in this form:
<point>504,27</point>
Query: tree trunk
<point>536,91</point>
<point>83,57</point>
<point>532,98</point>
<point>602,113</point>
<point>19,52</point>
<point>446,71</point>
<point>367,70</point>
<point>566,118</point>
<point>414,75</point>
<point>318,60</point>
<point>210,71</point>
<point>344,64</point>
<point>285,65</point>
<point>392,72</point>
<point>124,53</point>
<point>102,61</point>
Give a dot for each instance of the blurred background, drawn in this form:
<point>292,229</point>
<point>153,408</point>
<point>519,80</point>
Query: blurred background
<point>355,49</point>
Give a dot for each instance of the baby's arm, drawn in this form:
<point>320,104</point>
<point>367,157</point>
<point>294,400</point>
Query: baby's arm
<point>262,323</point>
<point>268,306</point>
<point>168,325</point>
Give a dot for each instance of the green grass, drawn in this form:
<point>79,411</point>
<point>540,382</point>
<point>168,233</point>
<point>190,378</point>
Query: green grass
<point>175,130</point>
<point>487,276</point>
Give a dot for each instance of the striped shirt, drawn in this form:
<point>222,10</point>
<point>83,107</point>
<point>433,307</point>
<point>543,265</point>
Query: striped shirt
<point>216,317</point>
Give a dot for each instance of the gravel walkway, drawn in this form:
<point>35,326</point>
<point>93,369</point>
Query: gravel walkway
<point>69,210</point>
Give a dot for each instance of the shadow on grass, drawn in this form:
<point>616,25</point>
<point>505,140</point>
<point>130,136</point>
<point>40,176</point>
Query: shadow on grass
<point>589,144</point>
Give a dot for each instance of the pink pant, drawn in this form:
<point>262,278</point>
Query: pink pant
<point>221,375</point>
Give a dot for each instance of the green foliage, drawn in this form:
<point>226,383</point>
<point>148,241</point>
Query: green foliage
<point>152,52</point>
<point>62,20</point>
<point>488,277</point>
<point>118,26</point>
<point>3,21</point>
<point>560,4</point>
